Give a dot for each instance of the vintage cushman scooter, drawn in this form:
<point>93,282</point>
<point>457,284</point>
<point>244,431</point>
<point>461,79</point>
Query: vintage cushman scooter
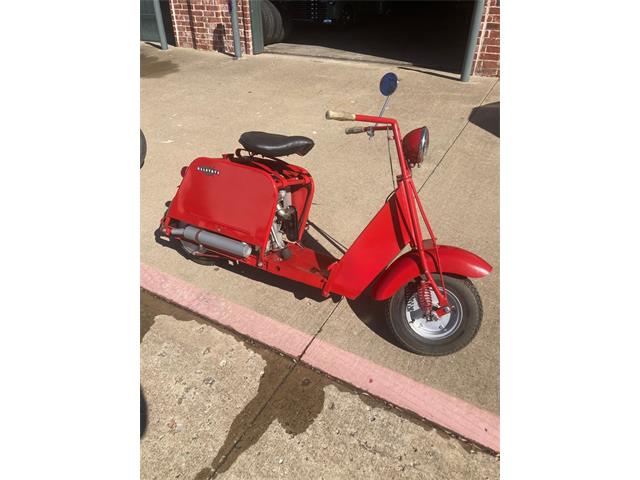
<point>252,207</point>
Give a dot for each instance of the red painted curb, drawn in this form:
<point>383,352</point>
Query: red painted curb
<point>236,317</point>
<point>467,420</point>
<point>449,412</point>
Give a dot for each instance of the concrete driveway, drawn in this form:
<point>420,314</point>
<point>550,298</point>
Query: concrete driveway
<point>198,103</point>
<point>287,421</point>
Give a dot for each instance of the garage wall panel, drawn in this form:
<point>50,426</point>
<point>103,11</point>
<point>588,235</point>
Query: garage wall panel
<point>487,56</point>
<point>206,25</point>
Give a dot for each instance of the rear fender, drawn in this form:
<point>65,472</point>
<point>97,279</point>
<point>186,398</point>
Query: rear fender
<point>407,267</point>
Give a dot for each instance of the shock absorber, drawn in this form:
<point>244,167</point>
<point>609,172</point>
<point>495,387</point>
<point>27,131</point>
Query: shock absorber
<point>424,297</point>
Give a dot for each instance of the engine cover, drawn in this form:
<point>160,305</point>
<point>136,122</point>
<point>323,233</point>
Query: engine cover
<point>237,197</point>
<point>228,198</point>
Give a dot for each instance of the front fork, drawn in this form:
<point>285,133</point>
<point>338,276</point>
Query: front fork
<point>411,197</point>
<point>426,279</point>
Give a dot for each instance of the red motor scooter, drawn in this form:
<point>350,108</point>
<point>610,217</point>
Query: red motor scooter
<point>252,207</point>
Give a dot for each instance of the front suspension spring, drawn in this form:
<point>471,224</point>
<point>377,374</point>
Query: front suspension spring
<point>424,297</point>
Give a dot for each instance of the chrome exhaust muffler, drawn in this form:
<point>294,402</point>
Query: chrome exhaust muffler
<point>213,241</point>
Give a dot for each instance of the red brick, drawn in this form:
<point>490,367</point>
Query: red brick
<point>211,24</point>
<point>490,56</point>
<point>489,63</point>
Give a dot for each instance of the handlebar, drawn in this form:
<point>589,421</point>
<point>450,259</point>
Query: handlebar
<point>342,116</point>
<point>352,130</point>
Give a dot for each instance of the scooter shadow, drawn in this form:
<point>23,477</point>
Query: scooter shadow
<point>368,311</point>
<point>372,314</point>
<point>299,290</point>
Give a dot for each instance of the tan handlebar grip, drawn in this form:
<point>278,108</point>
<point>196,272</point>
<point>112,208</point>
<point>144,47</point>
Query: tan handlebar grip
<point>352,130</point>
<point>343,116</point>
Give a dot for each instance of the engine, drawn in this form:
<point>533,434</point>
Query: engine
<point>285,224</point>
<point>229,205</point>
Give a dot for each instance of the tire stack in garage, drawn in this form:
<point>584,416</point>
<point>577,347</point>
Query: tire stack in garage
<point>275,23</point>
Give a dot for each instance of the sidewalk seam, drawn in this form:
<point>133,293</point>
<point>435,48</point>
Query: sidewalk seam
<point>442,409</point>
<point>457,136</point>
<point>320,329</point>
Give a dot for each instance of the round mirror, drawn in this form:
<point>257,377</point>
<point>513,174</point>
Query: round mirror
<point>388,84</point>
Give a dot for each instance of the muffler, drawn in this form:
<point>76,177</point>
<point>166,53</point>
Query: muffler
<point>213,241</point>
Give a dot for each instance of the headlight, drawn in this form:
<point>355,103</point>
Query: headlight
<point>414,146</point>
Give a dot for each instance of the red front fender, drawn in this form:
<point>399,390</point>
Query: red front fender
<point>407,267</point>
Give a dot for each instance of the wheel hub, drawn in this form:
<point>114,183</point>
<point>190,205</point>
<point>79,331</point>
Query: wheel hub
<point>431,325</point>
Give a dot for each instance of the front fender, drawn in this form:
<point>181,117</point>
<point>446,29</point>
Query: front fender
<point>407,267</point>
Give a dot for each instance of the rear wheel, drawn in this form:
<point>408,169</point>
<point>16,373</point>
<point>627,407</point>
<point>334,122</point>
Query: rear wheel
<point>433,335</point>
<point>189,250</point>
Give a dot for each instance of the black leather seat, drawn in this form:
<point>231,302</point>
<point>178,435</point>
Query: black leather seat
<point>273,145</point>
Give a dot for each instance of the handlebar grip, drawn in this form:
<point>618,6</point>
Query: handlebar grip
<point>342,116</point>
<point>352,130</point>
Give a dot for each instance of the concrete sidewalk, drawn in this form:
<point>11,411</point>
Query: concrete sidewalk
<point>220,407</point>
<point>198,103</point>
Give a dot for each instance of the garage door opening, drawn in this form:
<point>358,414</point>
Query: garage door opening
<point>430,35</point>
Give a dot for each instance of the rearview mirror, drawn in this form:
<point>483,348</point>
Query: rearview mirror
<point>388,84</point>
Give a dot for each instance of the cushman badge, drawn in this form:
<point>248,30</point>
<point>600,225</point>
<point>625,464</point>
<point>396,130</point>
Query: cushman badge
<point>208,170</point>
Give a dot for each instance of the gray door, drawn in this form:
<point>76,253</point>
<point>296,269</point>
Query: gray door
<point>148,24</point>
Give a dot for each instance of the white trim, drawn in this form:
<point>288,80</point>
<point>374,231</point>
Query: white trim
<point>485,16</point>
<point>174,22</point>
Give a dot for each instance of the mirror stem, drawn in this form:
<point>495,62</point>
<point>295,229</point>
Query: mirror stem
<point>384,107</point>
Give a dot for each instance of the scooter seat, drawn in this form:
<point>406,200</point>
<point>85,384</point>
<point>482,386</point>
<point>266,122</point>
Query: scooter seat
<point>273,145</point>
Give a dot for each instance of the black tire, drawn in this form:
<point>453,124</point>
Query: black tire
<point>462,331</point>
<point>143,148</point>
<point>207,261</point>
<point>187,250</point>
<point>278,27</point>
<point>272,23</point>
<point>268,22</point>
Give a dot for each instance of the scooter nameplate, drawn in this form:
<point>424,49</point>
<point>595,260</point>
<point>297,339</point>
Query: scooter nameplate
<point>208,170</point>
<point>228,198</point>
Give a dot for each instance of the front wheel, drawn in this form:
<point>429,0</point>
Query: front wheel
<point>434,335</point>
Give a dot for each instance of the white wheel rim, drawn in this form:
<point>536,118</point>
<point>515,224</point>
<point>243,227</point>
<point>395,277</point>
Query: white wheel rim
<point>437,328</point>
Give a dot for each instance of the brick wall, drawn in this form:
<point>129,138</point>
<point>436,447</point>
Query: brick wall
<point>206,25</point>
<point>487,56</point>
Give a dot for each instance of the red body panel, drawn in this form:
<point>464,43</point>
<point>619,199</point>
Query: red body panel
<point>237,198</point>
<point>286,176</point>
<point>452,260</point>
<point>378,244</point>
<point>305,265</point>
<point>238,201</point>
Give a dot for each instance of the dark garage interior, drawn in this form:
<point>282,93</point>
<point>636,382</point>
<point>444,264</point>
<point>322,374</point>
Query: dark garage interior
<point>427,34</point>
